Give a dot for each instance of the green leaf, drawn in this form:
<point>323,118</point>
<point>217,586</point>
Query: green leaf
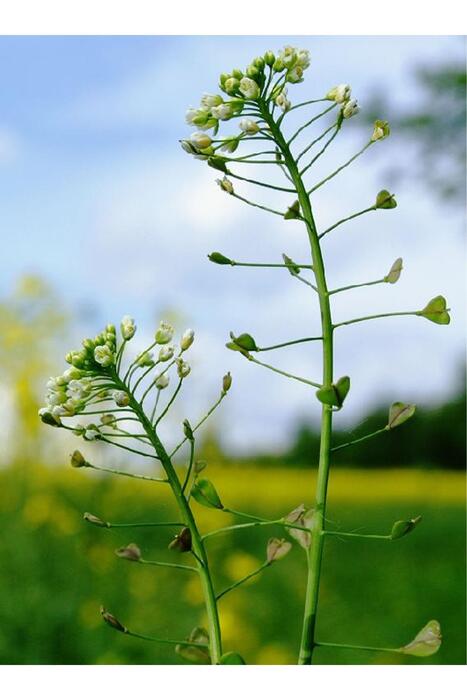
<point>403,527</point>
<point>400,412</point>
<point>245,341</point>
<point>426,643</point>
<point>436,311</point>
<point>219,259</point>
<point>385,200</point>
<point>292,267</point>
<point>218,163</point>
<point>231,658</point>
<point>205,494</point>
<point>293,212</point>
<point>395,271</point>
<point>335,394</point>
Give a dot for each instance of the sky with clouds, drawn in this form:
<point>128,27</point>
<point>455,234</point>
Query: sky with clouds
<point>97,196</point>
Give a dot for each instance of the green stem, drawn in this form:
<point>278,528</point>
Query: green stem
<point>243,580</point>
<point>198,549</point>
<point>336,172</point>
<point>347,218</point>
<point>167,564</point>
<point>174,642</point>
<point>258,206</point>
<point>356,286</point>
<point>356,534</point>
<point>369,318</point>
<point>289,342</point>
<point>360,439</point>
<point>234,263</point>
<point>315,552</point>
<point>284,374</point>
<point>122,473</point>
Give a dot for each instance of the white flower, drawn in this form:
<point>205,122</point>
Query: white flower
<point>145,360</point>
<point>381,130</point>
<point>103,355</point>
<point>55,398</point>
<point>350,108</point>
<point>229,144</point>
<point>282,102</point>
<point>166,353</point>
<point>162,381</point>
<point>53,384</point>
<point>71,373</point>
<point>121,398</point>
<point>91,432</point>
<point>288,56</point>
<point>128,327</point>
<point>187,339</point>
<point>340,93</point>
<point>78,389</point>
<point>58,411</point>
<point>249,88</point>
<point>183,369</point>
<point>295,75</point>
<point>164,333</point>
<point>248,126</point>
<point>226,185</point>
<point>191,115</point>
<point>222,111</point>
<point>208,101</point>
<point>200,140</point>
<point>303,58</point>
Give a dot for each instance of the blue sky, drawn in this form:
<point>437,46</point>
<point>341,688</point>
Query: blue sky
<point>97,196</point>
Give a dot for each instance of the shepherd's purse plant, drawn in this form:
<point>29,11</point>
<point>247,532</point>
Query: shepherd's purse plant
<point>119,400</point>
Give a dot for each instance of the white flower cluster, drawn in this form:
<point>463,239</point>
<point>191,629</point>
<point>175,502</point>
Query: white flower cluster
<point>254,84</point>
<point>341,95</point>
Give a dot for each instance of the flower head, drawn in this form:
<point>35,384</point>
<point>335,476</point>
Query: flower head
<point>248,126</point>
<point>340,93</point>
<point>350,108</point>
<point>127,327</point>
<point>164,333</point>
<point>187,339</point>
<point>249,88</point>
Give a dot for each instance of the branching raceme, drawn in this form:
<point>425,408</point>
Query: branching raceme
<point>258,98</point>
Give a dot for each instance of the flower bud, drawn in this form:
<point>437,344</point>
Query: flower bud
<point>259,62</point>
<point>224,111</point>
<point>216,257</point>
<point>104,356</point>
<point>277,549</point>
<point>340,93</point>
<point>231,86</point>
<point>162,382</point>
<point>350,108</point>
<point>164,333</point>
<point>395,271</point>
<point>245,341</point>
<point>94,520</point>
<point>226,185</point>
<point>381,130</point>
<point>200,140</point>
<point>237,73</point>
<point>403,527</point>
<point>249,88</point>
<point>399,413</point>
<point>205,494</point>
<point>127,328</point>
<point>183,368</point>
<point>145,360</point>
<point>208,101</point>
<point>131,552</point>
<point>288,56</point>
<point>109,420</point>
<point>278,65</point>
<point>269,58</point>
<point>427,641</point>
<point>187,339</point>
<point>48,418</point>
<point>112,621</point>
<point>223,78</point>
<point>188,147</point>
<point>282,102</point>
<point>166,353</point>
<point>77,460</point>
<point>385,200</point>
<point>253,71</point>
<point>248,126</point>
<point>182,542</point>
<point>121,398</point>
<point>187,429</point>
<point>226,382</point>
<point>295,75</point>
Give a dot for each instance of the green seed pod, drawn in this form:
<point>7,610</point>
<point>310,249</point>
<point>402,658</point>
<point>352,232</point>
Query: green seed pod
<point>399,412</point>
<point>427,641</point>
<point>291,266</point>
<point>231,658</point>
<point>403,527</point>
<point>226,382</point>
<point>269,58</point>
<point>77,460</point>
<point>436,311</point>
<point>205,494</point>
<point>293,212</point>
<point>94,520</point>
<point>112,621</point>
<point>385,200</point>
<point>395,271</point>
<point>335,394</point>
<point>244,341</point>
<point>200,466</point>
<point>219,259</point>
<point>218,163</point>
<point>187,429</point>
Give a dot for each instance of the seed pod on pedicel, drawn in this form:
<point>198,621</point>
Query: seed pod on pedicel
<point>385,200</point>
<point>395,271</point>
<point>131,552</point>
<point>204,492</point>
<point>218,163</point>
<point>245,341</point>
<point>293,212</point>
<point>399,412</point>
<point>277,549</point>
<point>226,382</point>
<point>199,466</point>
<point>403,527</point>
<point>77,460</point>
<point>292,267</point>
<point>95,520</point>
<point>231,658</point>
<point>112,621</point>
<point>182,542</point>
<point>188,430</point>
<point>219,259</point>
<point>195,654</point>
<point>436,310</point>
<point>335,394</point>
<point>426,642</point>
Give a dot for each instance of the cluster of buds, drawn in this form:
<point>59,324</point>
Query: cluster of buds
<point>341,95</point>
<point>96,353</point>
<point>243,88</point>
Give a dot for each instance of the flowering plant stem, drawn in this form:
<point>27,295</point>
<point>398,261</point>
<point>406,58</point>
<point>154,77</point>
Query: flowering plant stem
<point>315,550</point>
<point>188,518</point>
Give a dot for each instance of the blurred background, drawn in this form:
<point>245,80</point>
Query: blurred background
<point>102,214</point>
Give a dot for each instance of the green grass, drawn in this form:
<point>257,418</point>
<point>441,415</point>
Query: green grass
<point>57,570</point>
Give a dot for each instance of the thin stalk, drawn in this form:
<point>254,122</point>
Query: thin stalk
<point>310,121</point>
<point>261,184</point>
<point>235,263</point>
<point>320,153</point>
<point>284,374</point>
<point>167,564</point>
<point>122,473</point>
<point>174,642</point>
<point>369,318</point>
<point>348,218</point>
<point>356,286</point>
<point>258,206</point>
<point>312,143</point>
<point>355,646</point>
<point>199,423</point>
<point>315,552</point>
<point>360,439</point>
<point>112,525</point>
<point>336,172</point>
<point>186,513</point>
<point>289,342</point>
<point>356,534</point>
<point>243,580</point>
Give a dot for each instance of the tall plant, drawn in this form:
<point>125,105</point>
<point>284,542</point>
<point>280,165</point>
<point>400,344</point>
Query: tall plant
<point>259,98</point>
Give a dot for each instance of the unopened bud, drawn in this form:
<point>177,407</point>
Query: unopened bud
<point>219,259</point>
<point>112,621</point>
<point>162,381</point>
<point>94,520</point>
<point>226,185</point>
<point>187,339</point>
<point>249,126</point>
<point>381,130</point>
<point>269,58</point>
<point>187,429</point>
<point>121,398</point>
<point>200,140</point>
<point>77,460</point>
<point>127,328</point>
<point>226,382</point>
